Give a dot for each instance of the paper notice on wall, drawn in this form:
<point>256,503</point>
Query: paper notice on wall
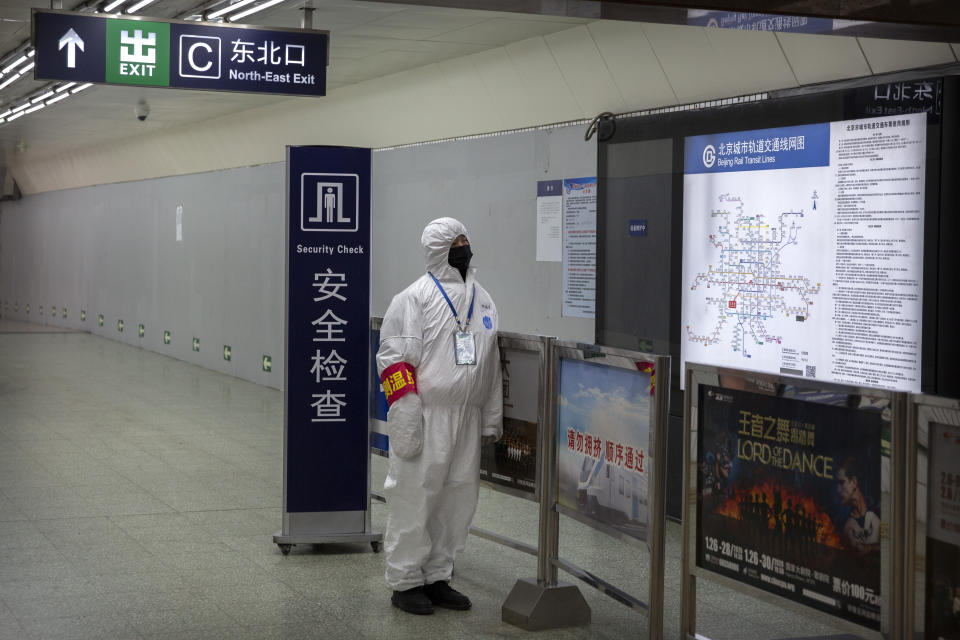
<point>579,247</point>
<point>550,221</point>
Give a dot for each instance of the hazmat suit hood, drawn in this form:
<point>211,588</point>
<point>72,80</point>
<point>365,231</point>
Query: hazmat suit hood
<point>437,237</point>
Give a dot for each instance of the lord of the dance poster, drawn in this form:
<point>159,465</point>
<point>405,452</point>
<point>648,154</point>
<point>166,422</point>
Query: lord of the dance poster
<point>789,496</point>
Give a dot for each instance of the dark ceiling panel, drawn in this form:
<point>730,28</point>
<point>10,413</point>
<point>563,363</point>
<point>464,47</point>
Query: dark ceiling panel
<point>922,20</point>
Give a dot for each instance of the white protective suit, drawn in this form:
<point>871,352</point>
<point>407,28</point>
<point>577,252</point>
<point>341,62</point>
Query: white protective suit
<point>433,480</point>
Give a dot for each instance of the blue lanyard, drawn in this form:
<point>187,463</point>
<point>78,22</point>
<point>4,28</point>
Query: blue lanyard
<point>450,304</point>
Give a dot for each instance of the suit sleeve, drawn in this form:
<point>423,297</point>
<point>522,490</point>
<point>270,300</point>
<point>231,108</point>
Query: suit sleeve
<point>401,341</point>
<point>492,414</point>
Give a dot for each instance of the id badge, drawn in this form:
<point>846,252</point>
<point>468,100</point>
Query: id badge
<point>465,347</point>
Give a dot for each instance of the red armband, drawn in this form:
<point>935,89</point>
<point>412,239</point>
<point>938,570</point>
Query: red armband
<point>398,380</point>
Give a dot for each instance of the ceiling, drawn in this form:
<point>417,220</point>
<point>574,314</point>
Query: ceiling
<point>367,40</point>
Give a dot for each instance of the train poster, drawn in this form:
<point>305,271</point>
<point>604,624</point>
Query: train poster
<point>603,442</point>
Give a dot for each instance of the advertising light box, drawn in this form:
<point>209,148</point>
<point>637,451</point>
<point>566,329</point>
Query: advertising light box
<point>802,250</point>
<point>941,617</point>
<point>789,496</point>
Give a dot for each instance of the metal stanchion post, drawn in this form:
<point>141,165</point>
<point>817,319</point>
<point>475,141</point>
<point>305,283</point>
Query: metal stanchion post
<point>548,535</point>
<point>900,523</point>
<point>658,511</point>
<point>546,603</point>
<point>910,537</point>
<point>688,586</point>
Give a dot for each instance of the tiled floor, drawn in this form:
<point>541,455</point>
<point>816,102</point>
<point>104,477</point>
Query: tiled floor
<point>139,494</point>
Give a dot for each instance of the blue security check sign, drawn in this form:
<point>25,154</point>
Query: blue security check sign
<point>172,53</point>
<point>327,329</point>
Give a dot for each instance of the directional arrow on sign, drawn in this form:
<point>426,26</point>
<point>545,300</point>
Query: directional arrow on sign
<point>71,41</point>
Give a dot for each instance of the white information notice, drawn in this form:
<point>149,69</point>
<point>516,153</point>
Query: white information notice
<point>802,250</point>
<point>579,247</point>
<point>549,226</point>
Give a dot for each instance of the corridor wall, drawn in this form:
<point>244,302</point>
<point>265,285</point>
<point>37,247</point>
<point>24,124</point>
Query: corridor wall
<point>113,249</point>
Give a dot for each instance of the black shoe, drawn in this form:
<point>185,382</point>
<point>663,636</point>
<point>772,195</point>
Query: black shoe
<point>443,595</point>
<point>412,601</point>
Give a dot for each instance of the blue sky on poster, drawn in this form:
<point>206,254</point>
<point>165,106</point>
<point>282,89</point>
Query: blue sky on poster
<point>607,401</point>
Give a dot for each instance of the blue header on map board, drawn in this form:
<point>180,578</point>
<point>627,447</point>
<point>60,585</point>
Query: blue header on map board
<point>327,324</point>
<point>760,149</point>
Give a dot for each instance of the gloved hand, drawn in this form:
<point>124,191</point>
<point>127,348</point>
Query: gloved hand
<point>486,440</point>
<point>405,426</point>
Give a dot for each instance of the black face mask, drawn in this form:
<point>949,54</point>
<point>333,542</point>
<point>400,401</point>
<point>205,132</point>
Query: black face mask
<point>459,259</point>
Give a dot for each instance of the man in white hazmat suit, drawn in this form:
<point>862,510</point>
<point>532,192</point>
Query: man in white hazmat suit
<point>440,369</point>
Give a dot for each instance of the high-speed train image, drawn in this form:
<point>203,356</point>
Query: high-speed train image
<point>611,494</point>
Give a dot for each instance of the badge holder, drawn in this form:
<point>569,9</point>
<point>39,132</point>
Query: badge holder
<point>465,347</point>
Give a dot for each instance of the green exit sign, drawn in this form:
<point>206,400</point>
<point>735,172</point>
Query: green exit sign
<point>83,315</point>
<point>196,343</point>
<point>267,364</point>
<point>100,320</point>
<point>141,331</point>
<point>138,52</point>
<point>227,352</point>
<point>120,326</point>
<point>166,337</point>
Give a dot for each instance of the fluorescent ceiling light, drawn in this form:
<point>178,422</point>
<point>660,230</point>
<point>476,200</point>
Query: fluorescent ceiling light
<point>14,116</point>
<point>113,5</point>
<point>58,98</point>
<point>41,98</point>
<point>252,10</point>
<point>81,88</point>
<point>65,86</point>
<point>14,64</point>
<point>21,107</point>
<point>6,113</point>
<point>27,68</point>
<point>35,108</point>
<point>139,5</point>
<point>9,81</point>
<point>31,53</point>
<point>228,9</point>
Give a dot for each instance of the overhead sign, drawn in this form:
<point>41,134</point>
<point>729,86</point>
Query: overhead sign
<point>132,50</point>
